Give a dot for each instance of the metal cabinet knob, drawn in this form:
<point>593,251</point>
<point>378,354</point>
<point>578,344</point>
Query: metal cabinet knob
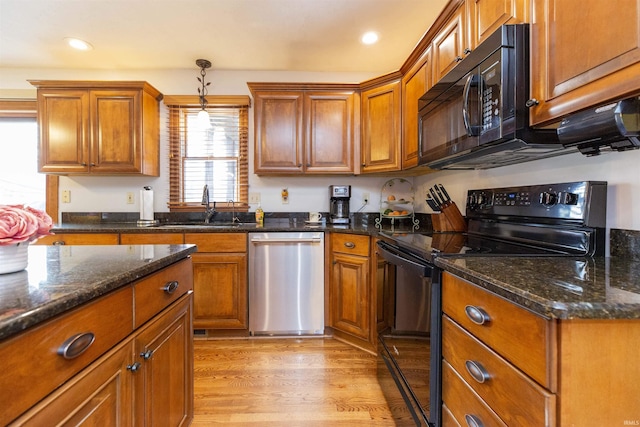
<point>134,367</point>
<point>146,355</point>
<point>349,245</point>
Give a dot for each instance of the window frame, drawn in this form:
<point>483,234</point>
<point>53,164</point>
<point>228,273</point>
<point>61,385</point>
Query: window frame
<point>174,104</point>
<point>28,108</point>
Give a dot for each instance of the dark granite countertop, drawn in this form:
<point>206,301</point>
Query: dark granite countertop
<point>269,226</point>
<point>557,287</point>
<point>59,278</point>
<point>554,287</point>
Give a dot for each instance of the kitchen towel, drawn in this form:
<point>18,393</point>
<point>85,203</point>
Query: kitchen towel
<point>146,204</point>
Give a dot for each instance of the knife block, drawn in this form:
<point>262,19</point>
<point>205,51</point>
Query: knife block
<point>449,219</point>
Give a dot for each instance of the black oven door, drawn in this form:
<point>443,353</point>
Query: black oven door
<point>409,348</point>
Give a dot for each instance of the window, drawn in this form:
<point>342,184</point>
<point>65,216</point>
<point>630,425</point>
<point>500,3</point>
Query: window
<point>20,181</point>
<point>217,156</point>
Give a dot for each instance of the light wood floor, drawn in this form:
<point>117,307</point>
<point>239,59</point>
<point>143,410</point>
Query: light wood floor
<point>286,382</point>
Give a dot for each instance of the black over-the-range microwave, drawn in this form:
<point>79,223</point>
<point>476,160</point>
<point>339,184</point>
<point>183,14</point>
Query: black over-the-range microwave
<point>477,115</point>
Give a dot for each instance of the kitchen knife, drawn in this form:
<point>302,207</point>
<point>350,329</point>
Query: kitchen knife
<point>432,204</point>
<point>435,198</point>
<point>442,198</point>
<point>444,192</point>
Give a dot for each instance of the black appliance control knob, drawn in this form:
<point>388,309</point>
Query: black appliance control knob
<point>477,201</point>
<point>548,199</point>
<point>569,198</point>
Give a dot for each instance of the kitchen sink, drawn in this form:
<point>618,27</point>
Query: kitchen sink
<point>206,225</point>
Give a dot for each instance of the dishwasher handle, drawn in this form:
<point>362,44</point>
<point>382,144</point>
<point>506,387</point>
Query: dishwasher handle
<point>261,241</point>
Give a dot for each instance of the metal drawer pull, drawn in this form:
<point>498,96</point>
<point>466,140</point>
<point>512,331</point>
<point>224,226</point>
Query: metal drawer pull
<point>76,345</point>
<point>349,245</point>
<point>58,243</point>
<point>477,371</point>
<point>171,286</point>
<point>473,421</point>
<point>134,367</point>
<point>477,315</point>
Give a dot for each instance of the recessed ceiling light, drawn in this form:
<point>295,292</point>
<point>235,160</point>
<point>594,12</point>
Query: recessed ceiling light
<point>370,37</point>
<point>78,44</point>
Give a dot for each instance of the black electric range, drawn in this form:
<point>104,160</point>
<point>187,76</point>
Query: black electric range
<point>566,219</point>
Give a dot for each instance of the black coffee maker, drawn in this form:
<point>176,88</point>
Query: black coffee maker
<point>339,196</point>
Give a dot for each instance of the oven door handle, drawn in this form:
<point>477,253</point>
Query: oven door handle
<point>402,259</point>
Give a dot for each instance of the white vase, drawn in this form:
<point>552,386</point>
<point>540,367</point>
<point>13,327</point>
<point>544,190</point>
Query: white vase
<point>14,257</point>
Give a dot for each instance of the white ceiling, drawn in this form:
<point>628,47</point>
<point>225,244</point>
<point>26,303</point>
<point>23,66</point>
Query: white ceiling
<point>273,35</point>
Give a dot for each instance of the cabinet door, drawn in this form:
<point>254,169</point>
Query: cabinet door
<point>108,382</point>
<point>79,239</point>
<point>330,128</point>
<point>278,132</point>
<point>220,291</point>
<point>450,45</point>
<point>414,84</point>
<point>381,131</point>
<point>63,122</point>
<point>486,16</point>
<point>582,54</point>
<point>116,124</point>
<point>164,378</point>
<point>350,295</point>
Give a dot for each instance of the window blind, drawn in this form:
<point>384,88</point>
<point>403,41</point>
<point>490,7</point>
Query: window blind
<point>216,156</point>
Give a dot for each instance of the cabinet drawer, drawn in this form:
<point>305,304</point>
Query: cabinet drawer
<point>79,239</point>
<point>218,242</point>
<point>154,293</point>
<point>350,244</point>
<point>523,338</point>
<point>512,395</point>
<point>151,239</point>
<point>463,404</point>
<point>32,367</point>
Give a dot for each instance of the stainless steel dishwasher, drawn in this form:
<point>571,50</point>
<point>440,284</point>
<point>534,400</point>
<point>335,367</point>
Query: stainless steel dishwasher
<point>286,283</point>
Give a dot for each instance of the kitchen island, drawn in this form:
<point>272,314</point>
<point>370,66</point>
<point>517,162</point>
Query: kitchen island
<point>101,321</point>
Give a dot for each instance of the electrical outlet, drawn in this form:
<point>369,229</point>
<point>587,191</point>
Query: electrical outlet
<point>254,198</point>
<point>130,198</point>
<point>66,196</point>
<point>285,196</point>
<point>365,198</point>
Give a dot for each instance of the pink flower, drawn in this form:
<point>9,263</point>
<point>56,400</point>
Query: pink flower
<point>22,224</point>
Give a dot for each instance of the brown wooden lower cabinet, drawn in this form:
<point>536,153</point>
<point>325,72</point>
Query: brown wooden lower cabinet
<point>351,296</point>
<point>220,281</point>
<point>521,369</point>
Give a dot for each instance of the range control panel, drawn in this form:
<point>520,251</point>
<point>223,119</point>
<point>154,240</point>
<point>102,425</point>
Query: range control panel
<point>584,201</point>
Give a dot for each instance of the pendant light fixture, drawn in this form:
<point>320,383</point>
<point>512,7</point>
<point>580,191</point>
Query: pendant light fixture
<point>203,116</point>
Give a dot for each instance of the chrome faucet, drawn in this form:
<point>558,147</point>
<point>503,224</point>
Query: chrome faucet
<point>209,211</point>
<point>234,218</point>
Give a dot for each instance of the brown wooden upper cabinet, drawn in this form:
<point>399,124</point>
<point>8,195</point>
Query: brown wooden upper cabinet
<point>415,83</point>
<point>381,131</point>
<point>102,128</point>
<point>451,44</point>
<point>582,55</point>
<point>486,16</point>
<point>305,128</point>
